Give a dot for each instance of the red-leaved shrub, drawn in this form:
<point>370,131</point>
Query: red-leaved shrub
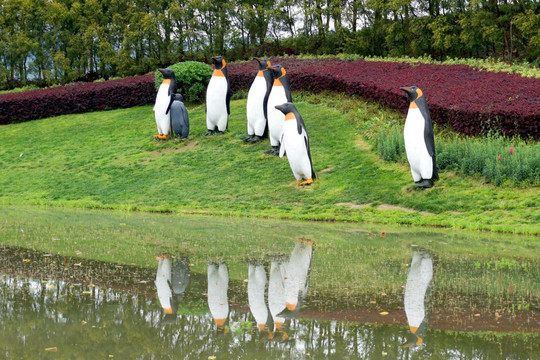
<point>468,100</point>
<point>79,98</point>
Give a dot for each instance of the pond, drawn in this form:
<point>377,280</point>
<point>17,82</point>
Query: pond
<point>196,287</point>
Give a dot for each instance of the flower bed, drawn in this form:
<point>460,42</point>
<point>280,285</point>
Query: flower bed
<point>469,101</point>
<point>78,98</point>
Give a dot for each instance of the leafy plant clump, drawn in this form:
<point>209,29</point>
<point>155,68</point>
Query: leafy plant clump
<point>192,77</point>
<point>496,158</point>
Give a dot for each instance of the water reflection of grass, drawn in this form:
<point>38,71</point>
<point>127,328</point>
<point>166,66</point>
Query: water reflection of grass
<point>351,266</point>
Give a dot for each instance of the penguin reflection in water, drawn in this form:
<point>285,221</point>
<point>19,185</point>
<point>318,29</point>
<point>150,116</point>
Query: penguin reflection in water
<point>417,295</point>
<point>218,285</point>
<point>256,290</point>
<point>257,100</point>
<point>419,140</point>
<point>295,142</point>
<point>164,98</point>
<point>218,97</point>
<point>171,283</point>
<point>288,285</point>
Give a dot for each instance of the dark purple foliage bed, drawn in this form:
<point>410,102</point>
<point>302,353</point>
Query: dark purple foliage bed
<point>468,100</point>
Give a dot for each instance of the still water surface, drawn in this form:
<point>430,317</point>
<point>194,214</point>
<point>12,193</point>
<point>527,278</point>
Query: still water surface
<point>306,297</point>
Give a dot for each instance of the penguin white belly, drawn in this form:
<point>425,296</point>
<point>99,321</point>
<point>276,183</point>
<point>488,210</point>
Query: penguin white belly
<point>276,292</point>
<point>216,103</point>
<point>218,284</point>
<point>163,121</point>
<point>418,280</point>
<point>295,148</point>
<point>163,278</point>
<point>415,146</point>
<point>255,107</point>
<point>298,269</point>
<point>275,117</point>
<point>256,288</point>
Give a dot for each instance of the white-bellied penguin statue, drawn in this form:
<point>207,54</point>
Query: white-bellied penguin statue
<point>164,98</point>
<point>419,140</point>
<point>218,285</point>
<point>281,93</point>
<point>163,287</point>
<point>295,142</point>
<point>256,289</point>
<point>179,117</point>
<point>218,97</point>
<point>257,100</point>
<point>417,299</point>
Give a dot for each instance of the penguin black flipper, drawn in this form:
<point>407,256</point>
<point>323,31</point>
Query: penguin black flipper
<point>269,81</point>
<point>228,95</point>
<point>309,156</point>
<point>185,130</point>
<point>429,138</point>
<point>287,86</point>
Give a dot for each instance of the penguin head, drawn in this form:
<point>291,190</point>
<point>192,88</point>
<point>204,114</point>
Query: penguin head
<point>413,92</point>
<point>263,63</point>
<point>178,97</point>
<point>286,108</point>
<point>167,73</point>
<point>219,63</point>
<point>277,71</point>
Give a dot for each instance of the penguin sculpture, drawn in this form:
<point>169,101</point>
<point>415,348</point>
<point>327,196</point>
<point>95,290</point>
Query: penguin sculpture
<point>218,285</point>
<point>281,93</point>
<point>257,100</point>
<point>164,98</point>
<point>294,141</point>
<point>256,289</point>
<point>296,284</point>
<point>163,286</point>
<point>416,299</point>
<point>218,96</point>
<point>419,141</point>
<point>179,117</point>
<point>276,292</point>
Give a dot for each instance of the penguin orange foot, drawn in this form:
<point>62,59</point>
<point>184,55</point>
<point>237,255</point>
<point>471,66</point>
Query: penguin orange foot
<point>307,182</point>
<point>162,137</point>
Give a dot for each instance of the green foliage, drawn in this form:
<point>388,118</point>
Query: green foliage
<point>192,77</point>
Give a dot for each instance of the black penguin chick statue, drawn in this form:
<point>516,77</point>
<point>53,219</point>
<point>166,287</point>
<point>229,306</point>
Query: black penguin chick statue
<point>179,117</point>
<point>419,140</point>
<point>218,97</point>
<point>257,100</point>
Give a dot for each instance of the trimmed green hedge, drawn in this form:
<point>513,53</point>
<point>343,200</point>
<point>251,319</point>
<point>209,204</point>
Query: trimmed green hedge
<point>192,77</point>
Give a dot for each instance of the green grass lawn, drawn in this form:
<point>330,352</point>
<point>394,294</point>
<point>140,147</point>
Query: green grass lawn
<point>110,160</point>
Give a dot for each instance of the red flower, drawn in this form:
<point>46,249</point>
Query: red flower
<point>511,150</point>
<point>499,157</point>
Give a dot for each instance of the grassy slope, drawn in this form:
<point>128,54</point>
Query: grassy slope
<point>109,159</point>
